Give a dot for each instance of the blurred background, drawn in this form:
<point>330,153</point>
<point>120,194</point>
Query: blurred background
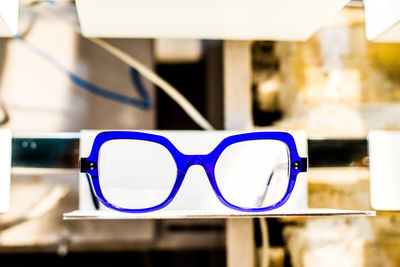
<point>309,68</point>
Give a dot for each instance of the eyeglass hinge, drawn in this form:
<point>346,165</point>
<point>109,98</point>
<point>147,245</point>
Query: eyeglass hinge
<point>87,165</point>
<point>300,165</point>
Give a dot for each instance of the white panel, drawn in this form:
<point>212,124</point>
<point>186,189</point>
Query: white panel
<point>384,158</point>
<point>382,20</point>
<point>391,35</point>
<point>8,18</point>
<point>5,169</point>
<point>206,19</point>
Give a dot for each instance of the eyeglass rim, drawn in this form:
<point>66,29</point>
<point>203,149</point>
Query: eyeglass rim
<point>89,165</point>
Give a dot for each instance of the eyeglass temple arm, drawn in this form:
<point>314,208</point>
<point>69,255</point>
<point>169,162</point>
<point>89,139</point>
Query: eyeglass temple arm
<point>277,167</point>
<point>262,198</point>
<point>95,201</point>
<point>85,166</point>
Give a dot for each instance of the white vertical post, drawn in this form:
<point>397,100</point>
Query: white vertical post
<point>238,116</point>
<point>237,85</point>
<point>240,248</point>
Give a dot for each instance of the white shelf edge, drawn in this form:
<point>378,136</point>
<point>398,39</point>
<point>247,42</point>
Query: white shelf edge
<point>113,215</point>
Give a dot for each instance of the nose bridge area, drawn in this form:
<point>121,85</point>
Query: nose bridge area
<point>196,193</point>
<point>196,160</point>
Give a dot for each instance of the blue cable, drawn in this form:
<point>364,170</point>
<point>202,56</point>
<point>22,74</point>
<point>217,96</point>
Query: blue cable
<point>144,103</point>
<point>140,88</point>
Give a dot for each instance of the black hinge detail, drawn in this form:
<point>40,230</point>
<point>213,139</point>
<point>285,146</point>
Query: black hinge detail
<point>304,164</point>
<point>300,165</point>
<point>87,165</point>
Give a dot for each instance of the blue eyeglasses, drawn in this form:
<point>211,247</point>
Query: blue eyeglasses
<point>249,172</point>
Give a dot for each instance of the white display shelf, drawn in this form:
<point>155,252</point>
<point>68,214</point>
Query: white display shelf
<point>206,19</point>
<point>382,20</point>
<point>195,199</point>
<point>8,18</point>
<point>168,214</point>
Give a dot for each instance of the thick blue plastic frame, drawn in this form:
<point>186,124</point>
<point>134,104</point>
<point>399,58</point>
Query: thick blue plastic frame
<point>184,162</point>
